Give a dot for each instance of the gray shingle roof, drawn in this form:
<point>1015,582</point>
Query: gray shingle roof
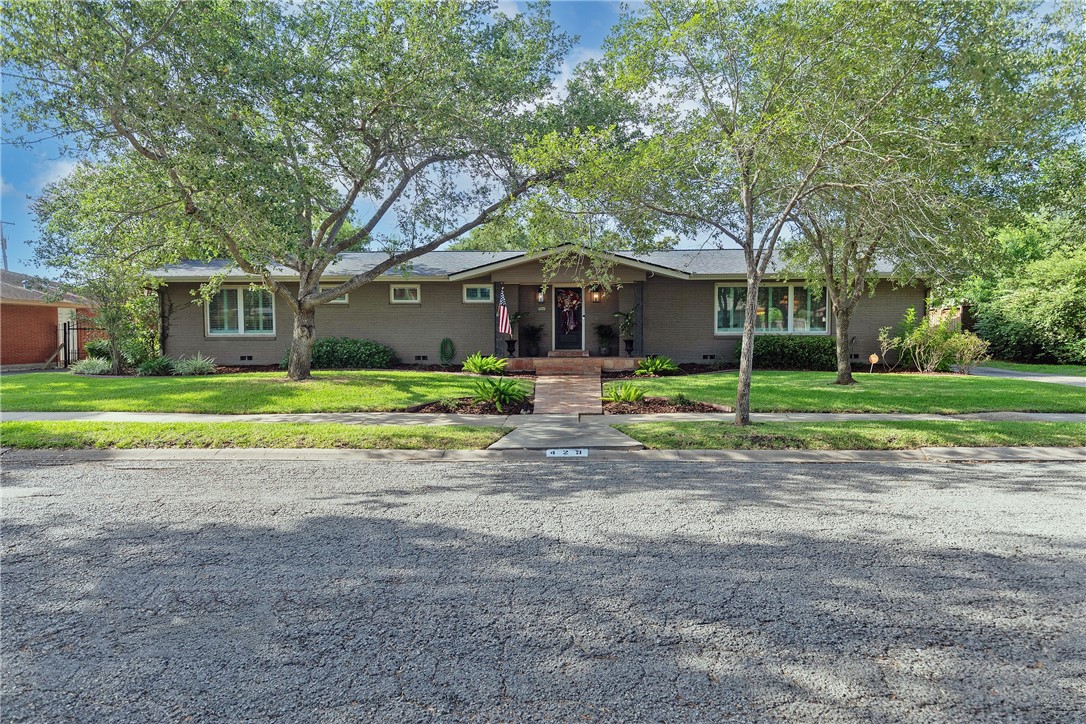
<point>440,264</point>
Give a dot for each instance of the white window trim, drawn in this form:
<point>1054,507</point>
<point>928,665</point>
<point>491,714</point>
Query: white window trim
<point>392,294</point>
<point>718,332</point>
<point>345,299</point>
<point>241,315</point>
<point>488,287</point>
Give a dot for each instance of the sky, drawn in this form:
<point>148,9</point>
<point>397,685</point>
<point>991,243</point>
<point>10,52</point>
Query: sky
<point>25,171</point>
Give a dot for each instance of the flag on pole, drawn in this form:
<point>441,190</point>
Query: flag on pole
<point>503,315</point>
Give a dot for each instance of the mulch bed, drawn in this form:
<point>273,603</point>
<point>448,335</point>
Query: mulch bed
<point>238,369</point>
<point>684,369</point>
<point>465,406</point>
<point>656,405</point>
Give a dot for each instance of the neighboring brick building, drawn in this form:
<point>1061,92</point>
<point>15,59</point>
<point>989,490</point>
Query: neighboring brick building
<point>32,316</point>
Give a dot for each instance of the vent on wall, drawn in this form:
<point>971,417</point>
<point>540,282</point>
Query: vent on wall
<point>246,358</point>
<point>708,356</point>
<point>855,356</point>
<point>421,357</point>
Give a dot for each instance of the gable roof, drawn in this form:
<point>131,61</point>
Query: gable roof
<point>25,289</point>
<point>458,265</point>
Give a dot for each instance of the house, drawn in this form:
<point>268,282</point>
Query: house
<point>689,307</point>
<point>33,313</point>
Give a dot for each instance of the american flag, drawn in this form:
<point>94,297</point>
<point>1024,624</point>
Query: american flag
<point>503,315</point>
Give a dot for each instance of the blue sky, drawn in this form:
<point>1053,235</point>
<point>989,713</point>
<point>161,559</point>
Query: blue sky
<point>24,171</point>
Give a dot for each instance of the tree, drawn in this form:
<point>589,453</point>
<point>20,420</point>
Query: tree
<point>292,134</point>
<point>749,107</point>
<point>102,228</point>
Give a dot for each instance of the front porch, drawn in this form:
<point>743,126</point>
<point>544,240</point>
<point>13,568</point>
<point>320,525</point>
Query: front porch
<point>569,365</point>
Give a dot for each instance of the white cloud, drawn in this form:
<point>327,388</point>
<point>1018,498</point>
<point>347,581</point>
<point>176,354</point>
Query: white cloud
<point>51,172</point>
<point>5,187</point>
<point>508,8</point>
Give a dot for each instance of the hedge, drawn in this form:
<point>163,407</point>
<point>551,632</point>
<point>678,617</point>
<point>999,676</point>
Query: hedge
<point>793,352</point>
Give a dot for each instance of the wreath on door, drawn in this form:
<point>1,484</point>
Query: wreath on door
<point>569,301</point>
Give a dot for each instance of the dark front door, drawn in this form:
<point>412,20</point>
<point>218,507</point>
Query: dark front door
<point>568,302</point>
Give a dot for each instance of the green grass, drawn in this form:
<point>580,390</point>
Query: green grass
<point>815,392</point>
<point>329,391</point>
<point>1073,370</point>
<point>859,435</point>
<point>39,435</point>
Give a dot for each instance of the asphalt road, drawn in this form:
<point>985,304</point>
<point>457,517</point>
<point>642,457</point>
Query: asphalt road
<point>525,591</point>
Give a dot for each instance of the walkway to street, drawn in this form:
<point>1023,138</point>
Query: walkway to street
<point>1031,376</point>
<point>568,394</point>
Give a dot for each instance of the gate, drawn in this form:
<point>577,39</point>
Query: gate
<point>75,337</point>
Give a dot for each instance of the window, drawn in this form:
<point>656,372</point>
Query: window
<point>404,294</point>
<point>782,308</point>
<point>478,294</point>
<point>237,310</point>
<point>338,300</point>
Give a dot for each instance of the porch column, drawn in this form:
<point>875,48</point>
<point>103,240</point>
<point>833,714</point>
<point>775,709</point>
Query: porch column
<point>639,325</point>
<point>499,339</point>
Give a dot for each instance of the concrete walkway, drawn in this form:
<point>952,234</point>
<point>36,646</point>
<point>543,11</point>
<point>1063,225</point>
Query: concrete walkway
<point>1031,376</point>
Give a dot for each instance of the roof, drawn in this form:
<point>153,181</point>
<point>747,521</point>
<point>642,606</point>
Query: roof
<point>454,265</point>
<point>26,289</point>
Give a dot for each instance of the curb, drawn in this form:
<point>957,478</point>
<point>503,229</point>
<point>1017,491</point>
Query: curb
<point>923,455</point>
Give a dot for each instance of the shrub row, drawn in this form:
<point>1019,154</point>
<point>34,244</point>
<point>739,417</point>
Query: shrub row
<point>337,353</point>
<point>792,352</point>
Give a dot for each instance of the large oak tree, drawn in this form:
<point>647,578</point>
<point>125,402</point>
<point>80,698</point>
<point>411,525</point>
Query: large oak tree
<point>292,133</point>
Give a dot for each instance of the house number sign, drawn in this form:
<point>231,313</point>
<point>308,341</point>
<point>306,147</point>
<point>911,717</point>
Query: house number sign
<point>567,452</point>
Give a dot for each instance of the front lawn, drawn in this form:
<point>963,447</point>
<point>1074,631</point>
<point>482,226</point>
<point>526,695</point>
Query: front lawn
<point>39,435</point>
<point>815,392</point>
<point>858,435</point>
<point>249,392</point>
<point>1073,370</point>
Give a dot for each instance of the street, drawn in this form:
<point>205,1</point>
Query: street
<point>567,590</point>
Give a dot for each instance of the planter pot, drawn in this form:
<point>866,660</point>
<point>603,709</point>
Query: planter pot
<point>629,347</point>
<point>605,351</point>
<point>511,347</point>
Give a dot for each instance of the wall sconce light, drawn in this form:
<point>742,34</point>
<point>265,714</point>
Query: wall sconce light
<point>596,294</point>
<point>540,296</point>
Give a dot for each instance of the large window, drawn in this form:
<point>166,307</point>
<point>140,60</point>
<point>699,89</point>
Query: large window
<point>478,293</point>
<point>782,309</point>
<point>236,310</point>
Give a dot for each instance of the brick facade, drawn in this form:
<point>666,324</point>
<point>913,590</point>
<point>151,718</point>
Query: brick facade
<point>28,333</point>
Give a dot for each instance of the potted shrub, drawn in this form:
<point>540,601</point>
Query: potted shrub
<point>626,329</point>
<point>531,335</point>
<point>511,343</point>
<point>605,333</point>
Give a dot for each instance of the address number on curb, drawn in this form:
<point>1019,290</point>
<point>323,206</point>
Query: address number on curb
<point>567,452</point>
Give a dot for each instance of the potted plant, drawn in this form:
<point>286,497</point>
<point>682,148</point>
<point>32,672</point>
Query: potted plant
<point>531,335</point>
<point>605,333</point>
<point>626,329</point>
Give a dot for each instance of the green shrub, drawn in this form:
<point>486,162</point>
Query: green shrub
<point>337,353</point>
<point>1039,315</point>
<point>98,348</point>
<point>502,391</point>
<point>195,365</point>
<point>137,350</point>
<point>680,399</point>
<point>480,365</point>
<point>656,366</point>
<point>623,392</point>
<point>156,367</point>
<point>930,347</point>
<point>92,366</point>
<point>793,352</point>
<point>967,350</point>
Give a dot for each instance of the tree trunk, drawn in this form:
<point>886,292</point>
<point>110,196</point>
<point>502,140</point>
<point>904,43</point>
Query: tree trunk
<point>746,357</point>
<point>301,346</point>
<point>844,356</point>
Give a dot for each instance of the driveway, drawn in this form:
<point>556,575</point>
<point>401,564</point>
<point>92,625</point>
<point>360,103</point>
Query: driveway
<point>154,591</point>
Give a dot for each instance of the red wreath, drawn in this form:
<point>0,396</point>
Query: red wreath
<point>569,301</point>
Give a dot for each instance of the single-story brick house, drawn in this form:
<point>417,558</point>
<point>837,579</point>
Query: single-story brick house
<point>689,307</point>
<point>32,317</point>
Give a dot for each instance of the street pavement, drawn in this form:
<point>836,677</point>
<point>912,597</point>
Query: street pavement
<point>159,590</point>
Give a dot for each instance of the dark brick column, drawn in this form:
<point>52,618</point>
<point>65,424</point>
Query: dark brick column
<point>639,324</point>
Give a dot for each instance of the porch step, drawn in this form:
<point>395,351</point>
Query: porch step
<point>568,366</point>
<point>568,353</point>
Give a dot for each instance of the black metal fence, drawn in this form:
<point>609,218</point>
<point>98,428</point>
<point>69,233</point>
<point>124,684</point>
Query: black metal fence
<point>75,338</point>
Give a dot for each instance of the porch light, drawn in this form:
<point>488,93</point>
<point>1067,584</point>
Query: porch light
<point>540,296</point>
<point>596,295</point>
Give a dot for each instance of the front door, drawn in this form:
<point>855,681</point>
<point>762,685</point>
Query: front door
<point>568,302</point>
